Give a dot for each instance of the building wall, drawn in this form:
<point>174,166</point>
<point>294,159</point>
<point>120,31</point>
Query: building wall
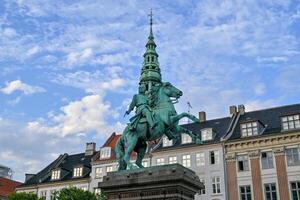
<point>205,172</point>
<point>55,187</point>
<point>281,174</point>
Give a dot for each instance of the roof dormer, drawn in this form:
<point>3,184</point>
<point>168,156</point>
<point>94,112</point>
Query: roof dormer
<point>207,134</point>
<point>55,174</point>
<point>105,152</point>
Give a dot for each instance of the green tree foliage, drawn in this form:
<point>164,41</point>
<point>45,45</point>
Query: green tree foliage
<point>23,196</point>
<point>77,194</point>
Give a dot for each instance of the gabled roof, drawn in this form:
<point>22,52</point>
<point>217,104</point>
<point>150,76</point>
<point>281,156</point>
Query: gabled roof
<point>7,186</point>
<point>270,118</point>
<point>66,164</point>
<point>219,127</point>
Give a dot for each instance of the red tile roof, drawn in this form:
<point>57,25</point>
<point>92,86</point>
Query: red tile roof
<point>7,186</point>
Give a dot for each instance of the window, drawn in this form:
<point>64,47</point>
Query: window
<point>98,172</point>
<point>55,174</point>
<point>270,191</point>
<point>105,152</point>
<point>167,142</point>
<point>202,191</point>
<point>53,194</point>
<point>172,159</point>
<point>145,163</point>
<point>267,160</point>
<point>206,134</point>
<point>77,172</point>
<point>200,159</point>
<point>97,191</point>
<point>243,164</point>
<point>292,156</point>
<point>214,157</point>
<point>186,160</point>
<point>185,138</point>
<point>295,190</point>
<point>216,185</point>
<point>43,194</point>
<point>245,192</point>
<point>290,122</point>
<point>160,161</point>
<point>109,168</point>
<point>84,188</point>
<point>249,129</point>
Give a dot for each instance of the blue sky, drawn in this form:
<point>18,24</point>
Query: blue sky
<point>69,68</point>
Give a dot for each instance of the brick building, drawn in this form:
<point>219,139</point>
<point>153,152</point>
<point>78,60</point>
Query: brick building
<point>7,187</point>
<point>262,154</point>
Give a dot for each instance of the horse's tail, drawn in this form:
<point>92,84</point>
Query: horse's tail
<point>120,151</point>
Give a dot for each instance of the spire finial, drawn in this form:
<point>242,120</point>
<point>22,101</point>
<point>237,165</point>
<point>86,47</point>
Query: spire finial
<point>151,22</point>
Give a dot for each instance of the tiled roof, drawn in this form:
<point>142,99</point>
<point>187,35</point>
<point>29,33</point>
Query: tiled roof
<point>66,163</point>
<point>270,118</point>
<point>219,128</point>
<point>7,186</point>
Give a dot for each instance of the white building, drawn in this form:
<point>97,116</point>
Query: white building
<point>65,171</point>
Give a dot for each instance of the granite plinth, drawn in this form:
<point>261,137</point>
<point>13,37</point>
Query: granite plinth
<point>169,182</point>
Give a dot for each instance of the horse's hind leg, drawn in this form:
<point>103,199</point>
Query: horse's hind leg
<point>131,142</point>
<point>140,154</point>
<point>120,150</point>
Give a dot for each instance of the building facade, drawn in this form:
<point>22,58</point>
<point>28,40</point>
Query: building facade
<point>65,171</point>
<point>7,187</point>
<point>262,154</point>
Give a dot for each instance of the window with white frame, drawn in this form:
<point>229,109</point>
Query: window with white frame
<point>84,188</point>
<point>214,157</point>
<point>186,160</point>
<point>295,190</point>
<point>105,152</point>
<point>97,191</point>
<point>243,163</point>
<point>245,192</point>
<point>167,142</point>
<point>290,122</point>
<point>53,194</point>
<point>200,159</point>
<point>270,191</point>
<point>160,161</point>
<point>172,159</point>
<point>202,191</point>
<point>249,129</point>
<point>267,160</point>
<point>77,171</point>
<point>145,163</point>
<point>292,156</point>
<point>98,172</point>
<point>216,185</point>
<point>206,134</point>
<point>109,168</point>
<point>185,138</point>
<point>43,194</point>
<point>55,175</point>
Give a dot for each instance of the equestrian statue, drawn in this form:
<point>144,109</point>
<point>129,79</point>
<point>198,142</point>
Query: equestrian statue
<point>155,114</point>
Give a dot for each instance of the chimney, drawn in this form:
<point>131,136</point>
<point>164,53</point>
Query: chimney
<point>232,110</point>
<point>90,149</point>
<point>202,116</point>
<point>28,176</point>
<point>241,109</point>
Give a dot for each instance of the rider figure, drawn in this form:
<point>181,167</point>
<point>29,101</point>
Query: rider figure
<point>140,101</point>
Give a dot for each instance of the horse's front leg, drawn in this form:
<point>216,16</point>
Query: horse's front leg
<point>131,142</point>
<point>141,151</point>
<point>180,129</point>
<point>176,118</point>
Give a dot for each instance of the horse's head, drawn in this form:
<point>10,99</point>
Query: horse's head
<point>171,91</point>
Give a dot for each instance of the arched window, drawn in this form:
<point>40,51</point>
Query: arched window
<point>148,58</point>
<point>152,59</point>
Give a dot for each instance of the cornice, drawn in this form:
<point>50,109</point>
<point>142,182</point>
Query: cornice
<point>271,141</point>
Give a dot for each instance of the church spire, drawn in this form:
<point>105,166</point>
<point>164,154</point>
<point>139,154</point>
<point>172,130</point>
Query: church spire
<point>150,74</point>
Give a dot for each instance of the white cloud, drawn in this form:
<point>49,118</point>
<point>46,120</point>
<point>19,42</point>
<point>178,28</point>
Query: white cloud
<point>259,104</point>
<point>9,32</point>
<point>89,114</point>
<point>18,85</point>
<point>259,89</point>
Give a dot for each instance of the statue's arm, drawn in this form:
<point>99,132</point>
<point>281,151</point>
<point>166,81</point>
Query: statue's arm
<point>132,104</point>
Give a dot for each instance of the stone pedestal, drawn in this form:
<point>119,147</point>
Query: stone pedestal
<point>158,182</point>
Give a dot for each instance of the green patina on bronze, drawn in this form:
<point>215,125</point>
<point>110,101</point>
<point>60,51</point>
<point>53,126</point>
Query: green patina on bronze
<point>155,112</point>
